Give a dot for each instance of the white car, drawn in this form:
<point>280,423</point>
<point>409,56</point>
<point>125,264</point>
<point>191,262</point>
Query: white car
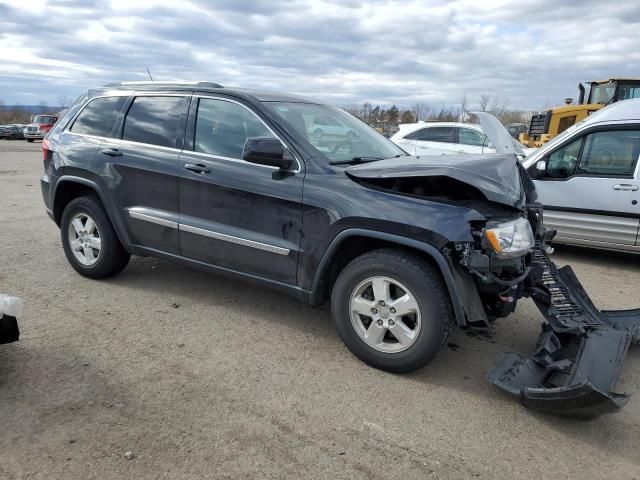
<point>445,138</point>
<point>322,126</point>
<point>442,138</point>
<point>588,179</point>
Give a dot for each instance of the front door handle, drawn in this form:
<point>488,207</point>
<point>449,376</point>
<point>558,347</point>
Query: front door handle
<point>197,167</point>
<point>112,152</point>
<point>626,187</point>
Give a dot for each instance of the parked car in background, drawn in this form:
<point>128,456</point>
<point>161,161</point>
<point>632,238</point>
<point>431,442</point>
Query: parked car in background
<point>446,138</point>
<point>39,127</point>
<point>11,132</point>
<point>442,138</point>
<point>588,179</point>
<point>327,125</point>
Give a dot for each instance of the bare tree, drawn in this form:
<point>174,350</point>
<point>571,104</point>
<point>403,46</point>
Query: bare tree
<point>463,107</point>
<point>484,102</point>
<point>420,110</point>
<point>63,102</point>
<point>44,106</point>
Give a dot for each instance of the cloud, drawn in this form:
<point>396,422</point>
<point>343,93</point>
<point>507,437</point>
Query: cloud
<point>532,52</point>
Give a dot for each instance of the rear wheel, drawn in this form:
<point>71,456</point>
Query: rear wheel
<point>89,240</point>
<point>392,310</point>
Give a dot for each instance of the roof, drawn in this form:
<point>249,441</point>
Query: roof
<point>623,110</point>
<point>204,86</point>
<point>406,128</point>
<point>614,80</point>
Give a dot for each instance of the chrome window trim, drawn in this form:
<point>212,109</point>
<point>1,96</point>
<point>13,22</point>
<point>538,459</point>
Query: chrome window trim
<point>119,93</point>
<point>235,240</point>
<point>214,97</point>
<point>129,93</point>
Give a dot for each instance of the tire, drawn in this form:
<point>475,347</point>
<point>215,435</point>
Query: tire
<point>422,282</point>
<point>111,258</point>
<point>318,134</point>
<point>30,140</point>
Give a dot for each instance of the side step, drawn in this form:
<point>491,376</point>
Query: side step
<point>578,356</point>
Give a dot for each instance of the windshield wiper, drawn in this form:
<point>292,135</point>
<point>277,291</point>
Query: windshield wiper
<point>355,161</point>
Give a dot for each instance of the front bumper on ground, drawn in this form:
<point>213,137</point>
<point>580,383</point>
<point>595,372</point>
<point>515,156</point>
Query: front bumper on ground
<point>578,356</point>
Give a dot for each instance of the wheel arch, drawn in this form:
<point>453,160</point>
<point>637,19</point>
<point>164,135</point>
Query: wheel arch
<point>348,245</point>
<point>70,187</point>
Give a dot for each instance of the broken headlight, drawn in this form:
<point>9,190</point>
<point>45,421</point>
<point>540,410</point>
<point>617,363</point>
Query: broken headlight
<point>510,239</point>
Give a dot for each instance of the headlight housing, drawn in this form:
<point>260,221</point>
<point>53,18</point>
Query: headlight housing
<point>510,239</point>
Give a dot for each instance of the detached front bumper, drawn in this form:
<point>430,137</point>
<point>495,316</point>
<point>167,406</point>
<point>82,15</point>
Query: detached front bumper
<point>578,356</point>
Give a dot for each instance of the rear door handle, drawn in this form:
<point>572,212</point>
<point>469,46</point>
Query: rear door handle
<point>197,167</point>
<point>112,152</point>
<point>626,187</point>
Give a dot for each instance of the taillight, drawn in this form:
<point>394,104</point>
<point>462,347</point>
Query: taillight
<point>45,148</point>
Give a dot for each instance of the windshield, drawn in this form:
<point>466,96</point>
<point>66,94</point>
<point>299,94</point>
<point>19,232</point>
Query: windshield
<point>335,134</point>
<point>47,120</point>
<point>602,93</point>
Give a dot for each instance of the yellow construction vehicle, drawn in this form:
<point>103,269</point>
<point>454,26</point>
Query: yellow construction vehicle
<point>546,125</point>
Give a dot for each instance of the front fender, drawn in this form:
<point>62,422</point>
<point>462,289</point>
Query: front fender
<point>443,263</point>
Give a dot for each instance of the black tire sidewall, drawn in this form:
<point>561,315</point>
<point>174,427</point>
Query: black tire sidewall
<point>434,329</point>
<point>112,257</point>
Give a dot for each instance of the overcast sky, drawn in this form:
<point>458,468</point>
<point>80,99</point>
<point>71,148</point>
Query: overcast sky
<point>533,52</point>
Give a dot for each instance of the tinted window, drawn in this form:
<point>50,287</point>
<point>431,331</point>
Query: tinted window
<point>222,128</point>
<point>418,134</point>
<point>441,134</point>
<point>153,120</point>
<point>467,136</point>
<point>562,163</point>
<point>612,153</point>
<point>98,116</point>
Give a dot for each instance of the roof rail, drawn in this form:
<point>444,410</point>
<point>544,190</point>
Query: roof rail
<point>160,83</point>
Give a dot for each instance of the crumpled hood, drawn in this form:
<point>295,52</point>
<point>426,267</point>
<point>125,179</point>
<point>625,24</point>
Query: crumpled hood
<point>496,176</point>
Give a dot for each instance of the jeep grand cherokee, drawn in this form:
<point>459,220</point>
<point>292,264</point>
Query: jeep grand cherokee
<point>403,248</point>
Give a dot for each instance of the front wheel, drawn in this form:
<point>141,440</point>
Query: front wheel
<point>89,240</point>
<point>392,310</point>
<point>30,140</point>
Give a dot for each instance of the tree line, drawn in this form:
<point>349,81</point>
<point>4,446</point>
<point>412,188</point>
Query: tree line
<point>388,117</point>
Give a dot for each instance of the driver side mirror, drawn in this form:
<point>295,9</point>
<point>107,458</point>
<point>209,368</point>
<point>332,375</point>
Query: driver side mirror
<point>539,169</point>
<point>266,151</point>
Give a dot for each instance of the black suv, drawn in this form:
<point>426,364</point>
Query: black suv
<point>236,181</point>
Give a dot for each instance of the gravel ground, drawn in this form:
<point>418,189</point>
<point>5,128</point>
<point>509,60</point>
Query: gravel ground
<point>199,376</point>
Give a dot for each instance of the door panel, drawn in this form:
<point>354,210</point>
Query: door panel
<point>141,169</point>
<point>144,183</point>
<point>235,214</point>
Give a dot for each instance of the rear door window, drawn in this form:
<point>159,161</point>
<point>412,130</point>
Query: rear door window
<point>99,116</point>
<point>468,136</point>
<point>153,120</point>
<point>441,134</point>
<point>421,134</point>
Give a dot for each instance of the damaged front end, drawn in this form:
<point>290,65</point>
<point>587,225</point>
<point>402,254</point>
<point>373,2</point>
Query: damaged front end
<point>579,354</point>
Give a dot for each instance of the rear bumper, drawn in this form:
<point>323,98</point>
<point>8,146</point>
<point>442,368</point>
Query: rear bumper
<point>579,354</point>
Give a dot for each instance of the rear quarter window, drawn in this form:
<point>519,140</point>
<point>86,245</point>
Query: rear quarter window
<point>99,116</point>
<point>153,120</point>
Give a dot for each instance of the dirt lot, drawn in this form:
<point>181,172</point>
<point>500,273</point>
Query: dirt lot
<point>201,376</point>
